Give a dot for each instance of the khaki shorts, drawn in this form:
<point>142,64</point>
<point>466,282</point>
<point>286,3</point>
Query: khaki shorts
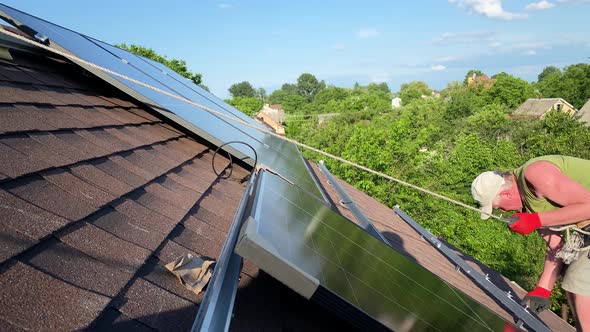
<point>577,276</point>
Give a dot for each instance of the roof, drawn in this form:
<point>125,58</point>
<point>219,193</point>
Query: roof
<point>538,106</point>
<point>584,112</point>
<point>97,193</point>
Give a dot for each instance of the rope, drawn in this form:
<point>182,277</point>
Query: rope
<point>234,119</point>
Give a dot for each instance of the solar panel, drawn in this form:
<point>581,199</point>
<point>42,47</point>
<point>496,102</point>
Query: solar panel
<point>283,157</point>
<point>323,256</point>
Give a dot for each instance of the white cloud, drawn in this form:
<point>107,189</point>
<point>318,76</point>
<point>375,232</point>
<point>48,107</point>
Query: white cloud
<point>541,5</point>
<point>495,44</point>
<point>530,52</point>
<point>464,37</point>
<point>488,8</point>
<point>438,67</point>
<point>367,33</point>
<point>224,5</point>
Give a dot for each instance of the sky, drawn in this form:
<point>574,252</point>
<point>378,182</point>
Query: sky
<point>269,43</point>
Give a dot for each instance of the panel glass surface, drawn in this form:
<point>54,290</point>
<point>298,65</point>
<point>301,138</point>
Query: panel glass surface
<point>359,268</point>
<point>280,156</point>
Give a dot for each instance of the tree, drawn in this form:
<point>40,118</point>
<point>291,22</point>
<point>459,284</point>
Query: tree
<point>308,86</point>
<point>261,94</point>
<point>509,91</point>
<point>548,71</point>
<point>277,97</point>
<point>179,66</point>
<point>413,90</point>
<point>381,87</point>
<point>290,89</point>
<point>573,84</point>
<point>242,89</point>
<point>248,105</point>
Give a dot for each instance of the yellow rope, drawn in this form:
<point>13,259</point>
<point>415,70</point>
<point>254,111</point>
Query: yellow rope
<point>234,119</point>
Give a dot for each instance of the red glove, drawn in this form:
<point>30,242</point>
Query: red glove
<point>538,299</point>
<point>526,222</point>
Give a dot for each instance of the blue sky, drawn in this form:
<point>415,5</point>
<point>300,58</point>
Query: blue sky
<point>269,43</point>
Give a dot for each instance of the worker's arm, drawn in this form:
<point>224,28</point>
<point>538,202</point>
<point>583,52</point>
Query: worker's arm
<point>546,180</point>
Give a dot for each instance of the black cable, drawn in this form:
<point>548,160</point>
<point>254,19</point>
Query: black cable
<point>231,163</point>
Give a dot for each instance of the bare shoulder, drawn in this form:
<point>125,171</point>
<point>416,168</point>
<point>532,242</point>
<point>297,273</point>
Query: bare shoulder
<point>542,173</point>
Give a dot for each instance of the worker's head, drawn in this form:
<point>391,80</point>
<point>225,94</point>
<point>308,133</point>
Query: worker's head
<point>495,190</point>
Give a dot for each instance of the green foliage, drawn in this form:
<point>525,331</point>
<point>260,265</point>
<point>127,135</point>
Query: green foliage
<point>248,105</point>
<point>413,90</point>
<point>509,91</point>
<point>179,66</point>
<point>548,71</point>
<point>573,84</point>
<point>242,89</point>
<point>308,86</point>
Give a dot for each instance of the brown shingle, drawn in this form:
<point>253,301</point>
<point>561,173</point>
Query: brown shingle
<point>158,308</point>
<point>16,164</point>
<point>121,115</point>
<point>48,196</point>
<point>145,216</point>
<point>103,138</point>
<point>15,93</point>
<point>14,119</point>
<point>78,187</point>
<point>127,229</point>
<point>33,300</point>
<point>143,114</point>
<point>16,74</point>
<point>158,205</point>
<point>26,218</point>
<point>88,116</point>
<point>121,161</point>
<point>34,149</point>
<point>106,248</point>
<point>118,172</point>
<point>13,243</point>
<point>100,179</point>
<point>78,269</point>
<point>51,116</point>
<point>183,200</point>
<point>195,242</point>
<point>61,147</point>
<point>80,144</point>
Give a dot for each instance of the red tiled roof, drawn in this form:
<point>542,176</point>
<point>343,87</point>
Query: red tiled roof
<point>96,195</point>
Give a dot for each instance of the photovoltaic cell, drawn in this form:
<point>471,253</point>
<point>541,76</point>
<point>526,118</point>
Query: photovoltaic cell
<point>309,247</point>
<point>281,156</point>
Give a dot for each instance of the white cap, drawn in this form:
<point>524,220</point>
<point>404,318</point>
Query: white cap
<point>484,189</point>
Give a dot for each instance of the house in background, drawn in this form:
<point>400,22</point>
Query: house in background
<point>584,112</point>
<point>538,107</point>
<point>480,80</point>
<point>396,102</point>
<point>275,112</point>
<point>273,117</point>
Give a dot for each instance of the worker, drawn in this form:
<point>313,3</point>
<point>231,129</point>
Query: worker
<point>547,191</point>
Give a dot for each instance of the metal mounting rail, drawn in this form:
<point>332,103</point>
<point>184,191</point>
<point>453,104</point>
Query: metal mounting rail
<point>505,298</point>
<point>216,309</point>
<point>349,203</point>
